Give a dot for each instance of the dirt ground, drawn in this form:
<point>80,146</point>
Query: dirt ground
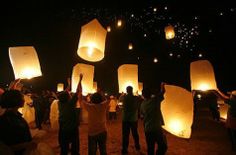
<point>208,138</point>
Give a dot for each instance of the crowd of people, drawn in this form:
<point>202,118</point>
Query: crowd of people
<point>62,110</point>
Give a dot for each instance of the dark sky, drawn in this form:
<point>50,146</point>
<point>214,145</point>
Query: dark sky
<point>54,30</point>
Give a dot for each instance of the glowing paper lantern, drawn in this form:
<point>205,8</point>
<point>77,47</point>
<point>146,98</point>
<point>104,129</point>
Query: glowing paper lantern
<point>202,75</point>
<point>119,23</point>
<point>130,47</point>
<point>60,87</point>
<point>128,76</point>
<point>108,29</point>
<point>92,41</point>
<point>95,87</point>
<point>140,88</point>
<point>25,62</point>
<point>223,109</point>
<point>169,32</point>
<point>177,110</point>
<point>88,74</point>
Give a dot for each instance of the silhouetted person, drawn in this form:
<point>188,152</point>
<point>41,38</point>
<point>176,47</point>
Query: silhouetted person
<point>130,120</point>
<point>153,121</point>
<point>97,128</point>
<point>14,130</point>
<point>68,121</point>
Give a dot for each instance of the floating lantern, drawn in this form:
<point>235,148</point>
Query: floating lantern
<point>223,109</point>
<point>128,76</point>
<point>87,82</point>
<point>119,23</point>
<point>25,62</point>
<point>202,75</point>
<point>60,87</point>
<point>95,86</point>
<point>92,41</point>
<point>108,29</point>
<point>130,46</point>
<point>177,110</point>
<point>140,88</point>
<point>169,32</point>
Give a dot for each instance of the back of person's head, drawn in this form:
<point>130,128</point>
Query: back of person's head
<point>96,98</point>
<point>129,90</point>
<point>146,92</point>
<point>12,99</point>
<point>63,96</point>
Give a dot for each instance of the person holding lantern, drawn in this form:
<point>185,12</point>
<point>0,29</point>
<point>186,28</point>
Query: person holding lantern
<point>231,115</point>
<point>68,121</point>
<point>153,121</point>
<point>97,128</point>
<point>130,120</point>
<point>15,131</point>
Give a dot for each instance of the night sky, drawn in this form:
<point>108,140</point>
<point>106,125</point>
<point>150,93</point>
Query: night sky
<point>202,32</point>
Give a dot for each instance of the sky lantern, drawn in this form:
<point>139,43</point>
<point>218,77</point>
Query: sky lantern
<point>119,22</point>
<point>223,109</point>
<point>169,32</point>
<point>128,76</point>
<point>108,29</point>
<point>202,75</point>
<point>95,86</point>
<point>130,46</point>
<point>25,62</point>
<point>140,88</point>
<point>92,41</point>
<point>87,82</point>
<point>177,110</point>
<point>60,87</point>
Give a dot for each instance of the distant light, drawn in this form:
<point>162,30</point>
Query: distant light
<point>154,9</point>
<point>166,8</point>
<point>155,60</point>
<point>119,23</point>
<point>210,30</point>
<point>108,29</point>
<point>195,17</point>
<point>200,55</point>
<point>232,10</point>
<point>106,94</point>
<point>138,58</point>
<point>145,35</point>
<point>221,14</point>
<point>132,15</point>
<point>178,56</point>
<point>130,46</point>
<point>199,96</point>
<point>171,54</point>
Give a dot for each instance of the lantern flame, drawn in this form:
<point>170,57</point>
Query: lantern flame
<point>204,87</point>
<point>176,127</point>
<point>28,72</point>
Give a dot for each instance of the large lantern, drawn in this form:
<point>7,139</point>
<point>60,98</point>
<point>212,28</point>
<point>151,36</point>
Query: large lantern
<point>95,86</point>
<point>177,110</point>
<point>25,62</point>
<point>128,76</point>
<point>87,82</point>
<point>169,32</point>
<point>202,75</point>
<point>92,41</point>
<point>140,88</point>
<point>60,87</point>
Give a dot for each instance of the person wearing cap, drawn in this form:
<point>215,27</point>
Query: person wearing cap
<point>231,115</point>
<point>15,131</point>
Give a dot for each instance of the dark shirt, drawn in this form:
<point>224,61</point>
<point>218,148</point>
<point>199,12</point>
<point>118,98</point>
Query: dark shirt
<point>151,111</point>
<point>14,129</point>
<point>232,107</point>
<point>130,108</point>
<point>68,118</point>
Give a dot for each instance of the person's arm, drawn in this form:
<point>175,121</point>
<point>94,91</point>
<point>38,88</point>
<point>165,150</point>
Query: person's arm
<point>13,84</point>
<point>68,85</point>
<point>222,95</point>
